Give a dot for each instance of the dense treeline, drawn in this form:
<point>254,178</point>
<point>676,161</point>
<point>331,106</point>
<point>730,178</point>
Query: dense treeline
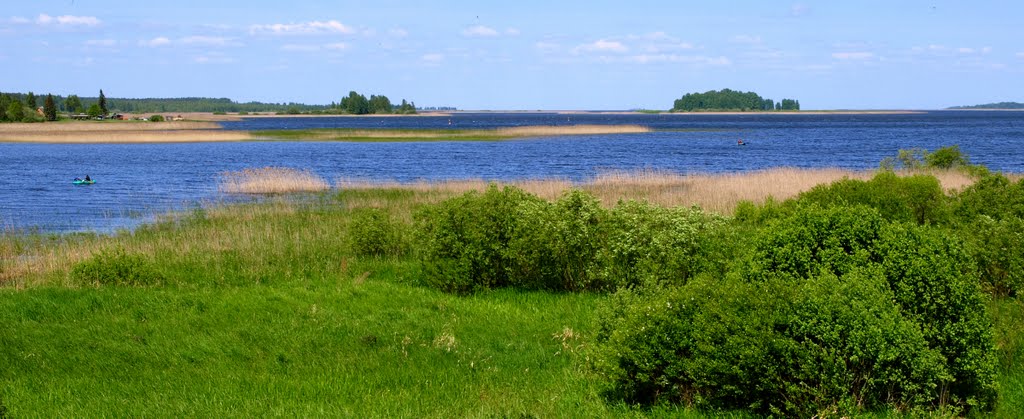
<point>1000,105</point>
<point>28,103</point>
<point>854,297</point>
<point>731,100</point>
<point>357,104</point>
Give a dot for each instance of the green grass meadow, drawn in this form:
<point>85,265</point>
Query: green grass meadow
<point>267,309</point>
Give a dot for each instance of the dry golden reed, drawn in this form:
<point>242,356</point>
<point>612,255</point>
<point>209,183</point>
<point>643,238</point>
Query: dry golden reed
<point>713,192</point>
<point>545,130</point>
<point>119,132</point>
<point>269,180</point>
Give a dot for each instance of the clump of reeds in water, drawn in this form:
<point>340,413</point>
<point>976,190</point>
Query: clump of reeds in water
<point>271,180</point>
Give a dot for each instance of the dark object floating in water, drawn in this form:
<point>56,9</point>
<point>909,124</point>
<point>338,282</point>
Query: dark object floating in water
<point>78,181</point>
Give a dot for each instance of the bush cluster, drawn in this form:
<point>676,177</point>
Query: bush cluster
<point>374,233</point>
<point>506,237</point>
<point>117,267</point>
<point>835,311</point>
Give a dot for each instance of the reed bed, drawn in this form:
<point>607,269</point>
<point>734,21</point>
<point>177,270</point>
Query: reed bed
<point>127,136</point>
<point>105,126</point>
<point>718,193</point>
<point>119,132</point>
<point>271,180</point>
<point>335,134</point>
<point>547,131</point>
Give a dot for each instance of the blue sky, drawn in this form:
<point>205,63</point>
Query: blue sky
<point>521,54</point>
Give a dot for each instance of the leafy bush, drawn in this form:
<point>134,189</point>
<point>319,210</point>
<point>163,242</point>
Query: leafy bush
<point>916,158</point>
<point>650,243</point>
<point>555,247</point>
<point>374,233</point>
<point>156,118</point>
<point>463,241</point>
<point>993,196</point>
<point>823,346</point>
<point>116,268</point>
<point>917,198</point>
<point>998,248</point>
<point>835,311</point>
<point>946,158</point>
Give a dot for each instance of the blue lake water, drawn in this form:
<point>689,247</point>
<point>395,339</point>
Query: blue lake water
<point>136,181</point>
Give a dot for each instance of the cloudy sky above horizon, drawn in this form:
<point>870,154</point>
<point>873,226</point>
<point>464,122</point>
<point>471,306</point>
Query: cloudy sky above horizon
<point>521,55</point>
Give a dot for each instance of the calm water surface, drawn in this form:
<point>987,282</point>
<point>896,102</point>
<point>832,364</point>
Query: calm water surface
<point>136,181</point>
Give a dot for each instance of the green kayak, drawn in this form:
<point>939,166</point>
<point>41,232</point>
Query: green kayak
<point>83,182</point>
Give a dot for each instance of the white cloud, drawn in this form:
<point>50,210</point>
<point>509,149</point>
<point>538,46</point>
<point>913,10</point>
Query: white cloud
<point>432,59</point>
<point>155,42</point>
<point>965,50</point>
<point>853,56</point>
<point>398,33</point>
<point>305,28</point>
<point>479,31</point>
<point>601,45</point>
<point>653,36</point>
<point>336,46</point>
<point>1020,55</point>
<point>675,58</point>
<point>512,32</point>
<point>19,20</point>
<point>215,41</point>
<point>213,58</point>
<point>799,9</point>
<point>67,20</point>
<point>300,48</point>
<point>101,42</point>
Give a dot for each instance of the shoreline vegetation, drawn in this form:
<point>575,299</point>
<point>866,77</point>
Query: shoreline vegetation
<point>374,135</point>
<point>209,131</point>
<point>335,303</point>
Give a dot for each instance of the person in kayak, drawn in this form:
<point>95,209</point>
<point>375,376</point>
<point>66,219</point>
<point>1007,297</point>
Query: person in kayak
<point>87,179</point>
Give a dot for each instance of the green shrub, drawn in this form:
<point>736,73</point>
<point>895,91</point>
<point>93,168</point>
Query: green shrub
<point>835,311</point>
<point>935,282</point>
<point>998,248</point>
<point>156,118</point>
<point>555,246</point>
<point>648,242</point>
<point>116,268</point>
<point>917,198</point>
<point>993,196</point>
<point>825,346</point>
<point>916,158</point>
<point>374,233</point>
<point>836,239</point>
<point>946,158</point>
<point>463,241</point>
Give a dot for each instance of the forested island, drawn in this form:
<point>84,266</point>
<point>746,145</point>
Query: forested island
<point>1000,105</point>
<point>727,100</point>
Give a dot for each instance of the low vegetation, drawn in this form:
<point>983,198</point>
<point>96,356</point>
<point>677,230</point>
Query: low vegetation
<point>883,293</point>
<point>382,135</point>
<point>271,180</point>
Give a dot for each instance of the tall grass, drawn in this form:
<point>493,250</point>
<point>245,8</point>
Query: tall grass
<point>265,309</point>
<point>713,192</point>
<point>119,132</point>
<point>370,135</point>
<point>270,180</point>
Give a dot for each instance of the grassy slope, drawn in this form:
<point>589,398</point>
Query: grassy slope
<point>264,310</point>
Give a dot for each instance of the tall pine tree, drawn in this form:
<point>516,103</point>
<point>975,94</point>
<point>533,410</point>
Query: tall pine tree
<point>50,108</point>
<point>103,103</point>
